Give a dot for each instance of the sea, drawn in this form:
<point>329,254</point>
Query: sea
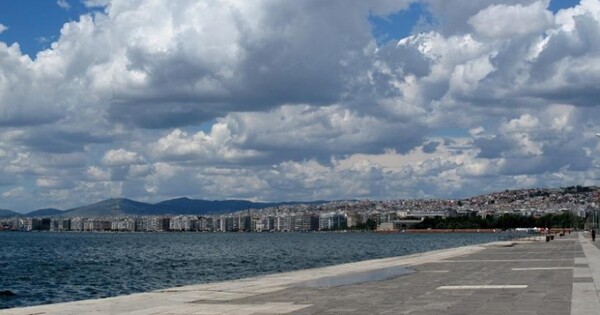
<point>45,267</point>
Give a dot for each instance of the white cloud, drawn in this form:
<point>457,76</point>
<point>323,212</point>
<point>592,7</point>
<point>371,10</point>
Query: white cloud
<point>17,192</point>
<point>96,3</point>
<point>272,101</point>
<point>121,157</point>
<point>97,174</point>
<point>63,4</point>
<point>52,183</point>
<point>453,16</point>
<point>500,21</point>
<point>217,147</point>
<point>3,28</point>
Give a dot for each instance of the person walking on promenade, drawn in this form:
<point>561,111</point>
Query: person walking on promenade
<point>593,235</point>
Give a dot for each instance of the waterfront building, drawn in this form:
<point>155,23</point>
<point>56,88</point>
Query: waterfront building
<point>123,224</point>
<point>60,224</point>
<point>286,223</point>
<point>231,225</point>
<point>332,221</point>
<point>396,225</point>
<point>13,224</point>
<point>28,226</point>
<point>37,224</point>
<point>138,224</point>
<point>183,223</point>
<point>205,224</point>
<point>178,223</point>
<point>352,219</point>
<point>268,223</point>
<point>444,213</point>
<point>66,224</point>
<point>258,226</point>
<point>307,222</point>
<point>77,224</point>
<point>164,223</point>
<point>220,224</point>
<point>54,226</point>
<point>245,223</point>
<point>97,225</point>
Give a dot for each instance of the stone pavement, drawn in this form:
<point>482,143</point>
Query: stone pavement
<point>524,277</point>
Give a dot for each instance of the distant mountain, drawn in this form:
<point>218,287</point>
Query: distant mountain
<point>4,213</point>
<point>179,206</point>
<point>199,207</point>
<point>112,208</point>
<point>45,212</point>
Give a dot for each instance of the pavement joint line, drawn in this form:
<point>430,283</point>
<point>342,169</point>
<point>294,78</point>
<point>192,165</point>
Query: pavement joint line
<point>483,286</point>
<point>533,252</point>
<point>543,268</point>
<point>504,260</point>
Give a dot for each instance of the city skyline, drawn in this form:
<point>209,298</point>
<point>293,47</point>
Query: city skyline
<point>566,205</point>
<point>277,101</point>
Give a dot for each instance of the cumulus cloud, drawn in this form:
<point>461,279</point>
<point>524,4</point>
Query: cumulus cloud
<point>178,69</point>
<point>216,147</point>
<point>97,174</point>
<point>453,16</point>
<point>273,101</point>
<point>3,28</point>
<point>121,157</point>
<point>318,130</point>
<point>498,21</point>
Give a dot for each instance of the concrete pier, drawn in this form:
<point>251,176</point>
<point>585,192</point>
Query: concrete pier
<point>521,277</point>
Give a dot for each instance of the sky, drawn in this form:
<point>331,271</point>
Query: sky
<point>271,100</point>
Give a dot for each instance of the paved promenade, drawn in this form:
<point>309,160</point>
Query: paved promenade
<point>525,277</point>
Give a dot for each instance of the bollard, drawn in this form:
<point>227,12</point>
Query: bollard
<point>547,238</point>
<point>552,237</point>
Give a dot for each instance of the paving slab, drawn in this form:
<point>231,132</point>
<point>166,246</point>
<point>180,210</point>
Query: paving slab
<point>517,277</point>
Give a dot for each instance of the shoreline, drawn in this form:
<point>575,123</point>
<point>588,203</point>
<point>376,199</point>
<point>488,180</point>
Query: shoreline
<point>305,274</point>
<point>424,231</point>
<point>258,284</point>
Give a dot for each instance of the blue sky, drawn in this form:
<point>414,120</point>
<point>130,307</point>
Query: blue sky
<point>34,24</point>
<point>402,24</point>
<point>269,101</point>
<point>556,5</point>
<point>399,25</point>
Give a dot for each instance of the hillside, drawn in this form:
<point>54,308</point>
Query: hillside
<point>178,206</point>
<point>123,207</point>
<point>4,213</point>
<point>193,206</point>
<point>113,207</point>
<point>45,212</point>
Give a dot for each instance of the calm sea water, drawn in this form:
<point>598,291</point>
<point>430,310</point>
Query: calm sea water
<point>45,268</point>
